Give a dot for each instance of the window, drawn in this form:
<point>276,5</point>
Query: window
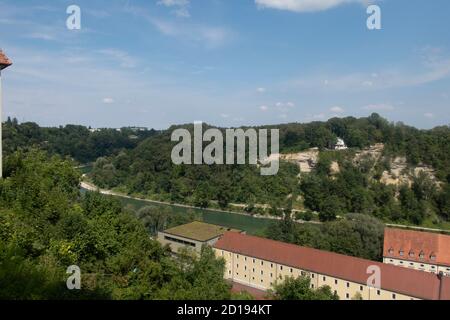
<point>237,265</point>
<point>391,251</point>
<point>237,273</point>
<point>394,296</point>
<point>229,272</point>
<point>324,279</point>
<point>253,270</point>
<point>253,260</point>
<point>245,258</point>
<point>262,272</point>
<point>262,280</point>
<point>312,286</point>
<point>303,273</point>
<point>262,263</point>
<point>361,288</point>
<point>433,257</point>
<point>348,284</point>
<point>335,282</point>
<point>378,292</point>
<point>401,253</point>
<point>421,255</point>
<point>271,275</point>
<point>237,257</point>
<point>245,268</point>
<point>347,295</point>
<point>411,254</point>
<point>253,278</point>
<point>271,265</point>
<point>335,292</point>
<point>312,275</point>
<point>401,262</point>
<point>281,267</point>
<point>292,270</point>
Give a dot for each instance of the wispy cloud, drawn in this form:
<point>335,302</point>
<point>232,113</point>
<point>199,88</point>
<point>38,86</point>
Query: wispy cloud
<point>304,5</point>
<point>206,35</point>
<point>123,58</point>
<point>430,69</point>
<point>379,107</point>
<point>181,7</point>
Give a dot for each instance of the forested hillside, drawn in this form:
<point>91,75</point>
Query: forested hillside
<point>77,142</point>
<point>46,225</point>
<point>355,188</point>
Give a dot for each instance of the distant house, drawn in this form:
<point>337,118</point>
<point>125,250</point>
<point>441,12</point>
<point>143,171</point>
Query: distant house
<point>340,145</point>
<point>193,235</point>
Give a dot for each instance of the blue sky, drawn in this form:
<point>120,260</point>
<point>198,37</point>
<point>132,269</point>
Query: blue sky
<point>155,63</point>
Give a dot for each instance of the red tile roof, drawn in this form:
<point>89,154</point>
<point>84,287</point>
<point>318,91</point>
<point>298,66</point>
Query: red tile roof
<point>410,282</point>
<point>4,61</point>
<point>415,243</point>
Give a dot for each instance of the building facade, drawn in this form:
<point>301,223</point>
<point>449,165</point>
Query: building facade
<point>260,263</point>
<point>424,251</point>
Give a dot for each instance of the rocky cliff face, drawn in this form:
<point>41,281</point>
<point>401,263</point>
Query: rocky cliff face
<point>400,173</point>
<point>306,160</point>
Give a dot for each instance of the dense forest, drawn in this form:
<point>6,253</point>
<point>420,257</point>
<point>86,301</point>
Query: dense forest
<point>77,142</point>
<point>46,225</point>
<point>148,171</point>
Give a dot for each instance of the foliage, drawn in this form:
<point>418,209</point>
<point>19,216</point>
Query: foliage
<point>356,235</point>
<point>46,226</point>
<point>300,289</point>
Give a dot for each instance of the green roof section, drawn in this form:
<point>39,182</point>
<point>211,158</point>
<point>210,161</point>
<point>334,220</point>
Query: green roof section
<point>199,231</point>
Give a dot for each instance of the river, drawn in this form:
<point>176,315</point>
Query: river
<point>247,223</point>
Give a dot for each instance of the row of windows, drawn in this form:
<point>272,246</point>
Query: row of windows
<point>361,288</point>
<point>412,264</point>
<point>412,254</point>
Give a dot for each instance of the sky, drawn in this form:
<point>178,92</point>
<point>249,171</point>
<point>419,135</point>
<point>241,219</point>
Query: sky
<point>155,63</point>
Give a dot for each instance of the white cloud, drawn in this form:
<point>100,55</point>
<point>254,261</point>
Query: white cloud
<point>429,115</point>
<point>379,107</point>
<point>285,105</point>
<point>181,7</point>
<point>224,115</point>
<point>337,109</point>
<point>108,100</point>
<point>303,5</point>
<point>319,116</point>
<point>261,90</point>
<point>264,108</point>
<point>211,37</point>
<point>124,59</point>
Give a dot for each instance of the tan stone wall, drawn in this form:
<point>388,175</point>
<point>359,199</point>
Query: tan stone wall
<point>262,274</point>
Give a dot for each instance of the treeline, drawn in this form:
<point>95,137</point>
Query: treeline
<point>147,170</point>
<point>356,188</point>
<point>77,142</point>
<point>46,225</point>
